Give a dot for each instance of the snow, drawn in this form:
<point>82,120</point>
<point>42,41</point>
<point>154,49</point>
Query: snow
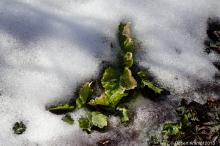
<point>49,47</point>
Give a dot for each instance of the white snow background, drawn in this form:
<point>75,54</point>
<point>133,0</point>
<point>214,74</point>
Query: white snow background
<point>49,47</point>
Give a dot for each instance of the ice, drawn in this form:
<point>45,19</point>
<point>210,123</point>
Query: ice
<point>49,47</point>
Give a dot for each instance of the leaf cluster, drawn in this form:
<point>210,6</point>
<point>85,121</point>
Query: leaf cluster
<point>116,84</point>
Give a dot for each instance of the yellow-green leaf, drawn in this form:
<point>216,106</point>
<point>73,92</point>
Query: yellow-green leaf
<point>101,100</point>
<point>99,120</point>
<point>117,95</point>
<point>62,108</point>
<point>110,80</point>
<point>145,82</point>
<point>93,119</point>
<point>84,93</point>
<point>127,80</point>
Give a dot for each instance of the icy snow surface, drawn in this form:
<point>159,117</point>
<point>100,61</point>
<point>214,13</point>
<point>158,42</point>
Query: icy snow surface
<point>49,47</point>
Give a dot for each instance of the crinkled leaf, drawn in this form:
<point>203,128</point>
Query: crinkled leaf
<point>110,80</point>
<point>101,100</point>
<point>19,128</point>
<point>116,84</point>
<point>125,40</point>
<point>128,59</point>
<point>99,120</point>
<point>145,82</point>
<point>84,93</point>
<point>117,95</point>
<point>127,80</point>
<point>113,92</point>
<point>68,119</point>
<point>93,119</point>
<point>112,100</point>
<point>124,114</point>
<point>60,109</point>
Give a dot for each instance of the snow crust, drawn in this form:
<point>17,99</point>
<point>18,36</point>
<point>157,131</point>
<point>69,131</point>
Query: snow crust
<point>49,47</point>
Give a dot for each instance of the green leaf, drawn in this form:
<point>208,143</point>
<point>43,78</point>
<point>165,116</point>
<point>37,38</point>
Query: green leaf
<point>99,120</point>
<point>127,80</point>
<point>112,100</point>
<point>101,100</point>
<point>84,93</point>
<point>124,114</point>
<point>125,40</point>
<point>117,95</point>
<point>60,109</point>
<point>68,119</point>
<point>85,124</point>
<point>93,119</point>
<point>115,86</point>
<point>152,86</point>
<point>19,128</point>
<point>128,59</point>
<point>171,129</point>
<point>145,82</point>
<point>110,80</point>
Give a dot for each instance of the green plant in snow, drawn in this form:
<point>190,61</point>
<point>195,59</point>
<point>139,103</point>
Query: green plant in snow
<point>84,93</point>
<point>116,83</point>
<point>93,119</point>
<point>19,128</point>
<point>124,35</point>
<point>60,109</point>
<point>127,81</point>
<point>146,83</point>
<point>68,119</point>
